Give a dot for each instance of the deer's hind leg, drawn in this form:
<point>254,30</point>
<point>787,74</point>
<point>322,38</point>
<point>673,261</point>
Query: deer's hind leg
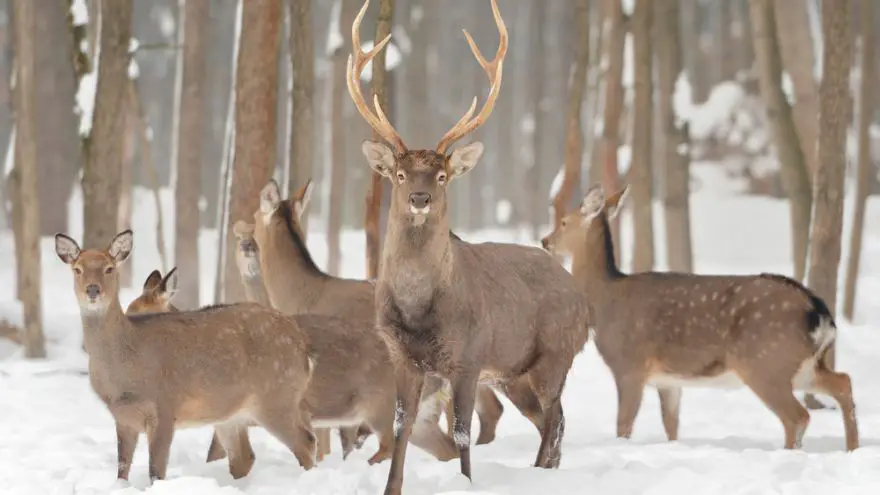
<point>323,438</point>
<point>670,405</point>
<point>292,428</point>
<point>520,393</point>
<point>547,379</point>
<point>839,386</point>
<point>776,392</point>
<point>233,438</point>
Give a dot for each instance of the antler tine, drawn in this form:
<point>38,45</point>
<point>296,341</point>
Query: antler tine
<point>378,121</point>
<point>493,70</point>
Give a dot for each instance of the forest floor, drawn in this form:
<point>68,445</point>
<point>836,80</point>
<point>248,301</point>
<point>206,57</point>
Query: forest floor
<point>57,438</point>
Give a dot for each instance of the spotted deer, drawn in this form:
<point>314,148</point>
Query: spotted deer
<point>224,365</point>
<point>470,313</point>
<point>674,330</point>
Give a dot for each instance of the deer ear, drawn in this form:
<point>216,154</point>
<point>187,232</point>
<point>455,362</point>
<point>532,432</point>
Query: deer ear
<point>152,280</point>
<point>270,197</point>
<point>464,159</point>
<point>591,206</point>
<point>380,157</point>
<point>302,198</point>
<point>66,248</point>
<point>121,245</point>
<point>242,229</point>
<point>168,286</point>
<point>615,203</point>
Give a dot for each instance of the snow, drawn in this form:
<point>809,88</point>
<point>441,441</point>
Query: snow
<point>80,12</point>
<point>59,439</point>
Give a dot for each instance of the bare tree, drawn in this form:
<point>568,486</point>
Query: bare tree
<point>641,170</point>
<point>835,108</point>
<point>796,48</point>
<point>676,154</point>
<point>373,200</point>
<point>338,142</point>
<point>302,117</point>
<point>792,163</point>
<point>26,163</point>
<point>191,132</point>
<point>613,105</point>
<point>571,173</point>
<point>101,177</point>
<point>256,99</point>
<point>866,112</point>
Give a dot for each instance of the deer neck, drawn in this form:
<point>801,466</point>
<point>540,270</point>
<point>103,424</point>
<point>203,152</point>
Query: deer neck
<point>416,258</point>
<point>593,265</point>
<point>294,277</point>
<point>255,290</point>
<point>106,330</point>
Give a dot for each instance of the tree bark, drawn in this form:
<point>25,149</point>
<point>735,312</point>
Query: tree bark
<point>693,54</point>
<point>101,176</point>
<point>677,145</point>
<point>59,157</point>
<point>373,200</point>
<point>537,88</point>
<point>29,256</point>
<point>835,109</point>
<point>866,112</point>
<point>302,117</point>
<point>338,140</point>
<point>641,173</point>
<point>256,106</point>
<point>191,132</point>
<point>792,163</point>
<point>571,174</point>
<point>613,107</point>
<point>796,50</point>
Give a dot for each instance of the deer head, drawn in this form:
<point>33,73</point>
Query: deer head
<point>157,294</point>
<point>574,228</point>
<point>419,177</point>
<point>273,208</point>
<point>95,276</point>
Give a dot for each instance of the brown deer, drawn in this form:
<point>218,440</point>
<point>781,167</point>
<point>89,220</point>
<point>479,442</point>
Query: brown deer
<point>157,372</point>
<point>156,295</point>
<point>673,330</point>
<point>466,312</point>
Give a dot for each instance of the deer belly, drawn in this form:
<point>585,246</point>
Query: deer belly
<point>726,380</point>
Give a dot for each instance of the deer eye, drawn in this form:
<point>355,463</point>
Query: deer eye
<point>564,222</point>
<point>108,270</point>
<point>441,177</point>
<point>78,270</point>
<point>401,177</point>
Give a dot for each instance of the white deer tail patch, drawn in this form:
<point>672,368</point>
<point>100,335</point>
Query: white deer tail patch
<point>824,334</point>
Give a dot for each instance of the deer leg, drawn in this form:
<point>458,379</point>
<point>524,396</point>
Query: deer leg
<point>348,437</point>
<point>547,379</point>
<point>233,438</point>
<point>489,411</point>
<point>426,433</point>
<point>670,402</point>
<point>464,390</point>
<point>839,386</point>
<point>779,398</point>
<point>629,400</point>
<point>293,430</point>
<point>522,396</point>
<point>323,438</point>
<point>409,387</point>
<point>126,442</point>
<point>159,438</point>
<point>216,450</point>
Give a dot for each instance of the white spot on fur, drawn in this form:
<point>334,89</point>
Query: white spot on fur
<point>703,298</point>
<point>462,439</point>
<point>824,334</point>
<point>757,315</point>
<point>399,418</point>
<point>420,211</point>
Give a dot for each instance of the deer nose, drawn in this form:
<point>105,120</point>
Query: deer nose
<point>419,199</point>
<point>545,242</point>
<point>93,291</point>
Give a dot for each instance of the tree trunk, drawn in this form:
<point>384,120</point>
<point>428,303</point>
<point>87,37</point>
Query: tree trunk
<point>724,55</point>
<point>255,111</point>
<point>302,117</point>
<point>191,131</point>
<point>866,112</point>
<point>338,140</point>
<point>29,256</point>
<point>373,200</point>
<point>101,176</point>
<point>693,54</point>
<point>835,108</point>
<point>677,166</point>
<point>641,173</point>
<point>613,107</point>
<point>571,175</point>
<point>537,86</point>
<point>796,49</point>
<point>126,183</point>
<point>59,157</point>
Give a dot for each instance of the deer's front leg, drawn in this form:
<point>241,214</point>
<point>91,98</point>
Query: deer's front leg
<point>159,438</point>
<point>464,387</point>
<point>126,442</point>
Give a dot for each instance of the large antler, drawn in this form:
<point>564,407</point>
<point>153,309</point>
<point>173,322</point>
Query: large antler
<point>466,125</point>
<point>378,121</point>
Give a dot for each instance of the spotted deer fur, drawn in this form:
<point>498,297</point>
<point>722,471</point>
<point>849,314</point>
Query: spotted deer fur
<point>674,330</point>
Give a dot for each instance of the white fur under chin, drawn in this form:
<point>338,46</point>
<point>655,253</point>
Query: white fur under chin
<point>420,211</point>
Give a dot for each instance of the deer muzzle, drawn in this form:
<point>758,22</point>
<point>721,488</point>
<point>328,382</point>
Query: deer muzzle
<point>420,202</point>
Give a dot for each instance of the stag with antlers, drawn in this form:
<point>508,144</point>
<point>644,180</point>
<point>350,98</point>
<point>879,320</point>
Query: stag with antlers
<point>470,313</point>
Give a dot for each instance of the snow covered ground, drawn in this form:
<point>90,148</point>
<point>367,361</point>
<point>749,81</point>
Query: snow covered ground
<point>57,438</point>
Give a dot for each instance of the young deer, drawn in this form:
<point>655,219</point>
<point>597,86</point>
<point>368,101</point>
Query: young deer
<point>466,312</point>
<point>336,377</point>
<point>674,330</point>
<point>157,372</point>
<point>157,294</point>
